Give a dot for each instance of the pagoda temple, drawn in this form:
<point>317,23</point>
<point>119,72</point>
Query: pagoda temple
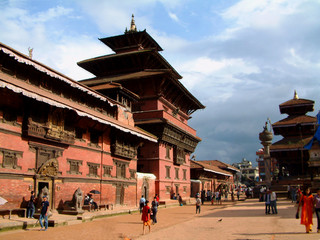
<point>297,129</point>
<point>138,77</point>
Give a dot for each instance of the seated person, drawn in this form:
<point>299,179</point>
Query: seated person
<point>93,203</point>
<point>86,200</point>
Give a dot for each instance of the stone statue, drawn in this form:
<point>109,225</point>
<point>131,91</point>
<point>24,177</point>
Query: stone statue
<point>30,52</point>
<point>77,199</point>
<point>44,192</point>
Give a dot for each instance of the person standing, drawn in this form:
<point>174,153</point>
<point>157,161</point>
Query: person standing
<point>267,201</point>
<point>203,196</point>
<point>142,203</point>
<point>154,209</point>
<point>146,216</point>
<point>198,204</point>
<point>238,194</point>
<point>293,194</point>
<point>31,206</point>
<point>306,202</point>
<point>273,202</point>
<point>44,213</point>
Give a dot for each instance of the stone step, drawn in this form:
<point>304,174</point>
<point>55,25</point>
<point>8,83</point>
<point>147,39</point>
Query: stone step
<point>74,222</point>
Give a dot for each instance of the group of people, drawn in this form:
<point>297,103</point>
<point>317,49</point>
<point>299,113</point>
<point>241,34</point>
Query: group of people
<point>308,205</point>
<point>43,218</point>
<point>270,199</point>
<point>88,200</point>
<point>149,215</point>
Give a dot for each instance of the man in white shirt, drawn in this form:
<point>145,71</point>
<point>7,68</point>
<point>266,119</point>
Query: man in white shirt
<point>273,202</point>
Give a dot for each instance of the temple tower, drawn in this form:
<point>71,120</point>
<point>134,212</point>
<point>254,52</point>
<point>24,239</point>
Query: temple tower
<point>162,105</point>
<point>297,129</point>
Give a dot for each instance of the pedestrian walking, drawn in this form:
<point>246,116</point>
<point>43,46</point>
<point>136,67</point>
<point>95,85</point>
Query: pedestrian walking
<point>146,216</point>
<point>198,204</point>
<point>317,208</point>
<point>180,200</point>
<point>273,202</point>
<point>238,194</point>
<point>31,207</point>
<point>306,203</point>
<point>142,203</point>
<point>44,213</point>
<point>154,210</point>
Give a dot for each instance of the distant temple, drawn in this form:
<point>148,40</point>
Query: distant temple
<point>297,130</point>
<point>138,77</point>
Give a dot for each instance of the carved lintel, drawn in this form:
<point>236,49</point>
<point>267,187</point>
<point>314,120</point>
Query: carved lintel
<point>50,168</point>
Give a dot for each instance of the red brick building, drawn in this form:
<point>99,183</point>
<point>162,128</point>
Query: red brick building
<point>59,135</point>
<point>163,106</point>
<point>212,175</point>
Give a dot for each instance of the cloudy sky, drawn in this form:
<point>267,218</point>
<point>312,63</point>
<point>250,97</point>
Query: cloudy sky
<point>240,58</point>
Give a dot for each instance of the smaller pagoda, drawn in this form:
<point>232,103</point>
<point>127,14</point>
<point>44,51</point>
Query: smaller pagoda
<point>297,130</point>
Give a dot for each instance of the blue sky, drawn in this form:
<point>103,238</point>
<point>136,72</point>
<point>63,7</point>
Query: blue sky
<point>241,58</point>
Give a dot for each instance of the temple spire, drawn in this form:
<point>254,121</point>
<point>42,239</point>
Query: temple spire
<point>133,27</point>
<point>295,96</point>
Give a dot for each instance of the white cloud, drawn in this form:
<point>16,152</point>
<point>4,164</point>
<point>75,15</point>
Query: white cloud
<point>262,14</point>
<point>174,17</point>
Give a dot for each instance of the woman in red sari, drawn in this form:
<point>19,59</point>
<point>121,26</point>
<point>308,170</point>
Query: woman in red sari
<point>306,201</point>
<point>146,216</point>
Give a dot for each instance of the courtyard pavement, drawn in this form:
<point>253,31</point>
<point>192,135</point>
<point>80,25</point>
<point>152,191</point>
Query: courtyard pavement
<point>231,220</point>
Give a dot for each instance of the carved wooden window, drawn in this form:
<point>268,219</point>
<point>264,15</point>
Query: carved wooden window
<point>184,189</point>
<point>74,166</point>
<point>184,174</point>
<point>176,173</point>
<point>168,189</point>
<point>10,158</point>
<point>9,116</point>
<point>121,169</point>
<point>132,173</point>
<point>93,169</point>
<point>79,133</point>
<point>94,137</point>
<point>168,148</point>
<point>179,156</point>
<point>107,171</point>
<point>168,171</point>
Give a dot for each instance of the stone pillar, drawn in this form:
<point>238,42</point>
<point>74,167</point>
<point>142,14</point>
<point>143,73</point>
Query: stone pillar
<point>266,137</point>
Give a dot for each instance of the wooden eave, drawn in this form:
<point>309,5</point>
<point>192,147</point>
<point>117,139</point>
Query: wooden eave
<point>127,62</point>
<point>165,121</point>
<point>220,164</point>
<point>24,59</point>
<point>111,86</point>
<point>129,39</point>
<point>207,167</point>
<point>195,103</point>
<point>121,77</point>
<point>297,102</point>
<point>290,144</point>
<point>294,120</point>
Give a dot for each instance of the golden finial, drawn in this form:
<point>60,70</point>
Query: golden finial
<point>133,27</point>
<point>295,96</point>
